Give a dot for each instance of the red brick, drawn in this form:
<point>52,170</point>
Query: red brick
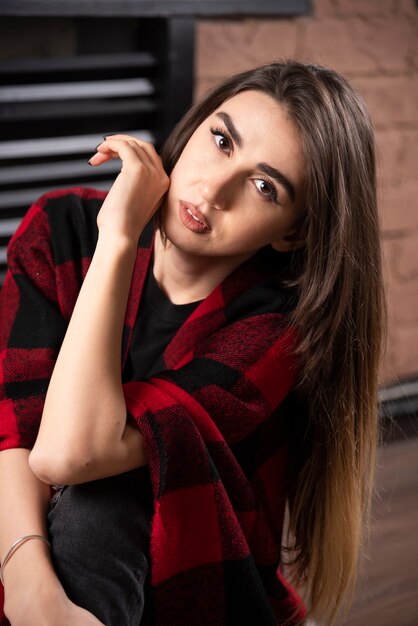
<point>324,7</point>
<point>390,347</point>
<point>401,358</point>
<point>397,152</point>
<point>388,278</point>
<point>409,163</point>
<point>344,8</point>
<point>202,85</point>
<point>387,251</point>
<point>402,301</point>
<point>365,7</point>
<point>393,42</point>
<point>406,7</point>
<point>404,304</point>
<point>401,354</point>
<point>402,290</point>
<point>405,263</point>
<point>390,147</point>
<point>399,209</point>
<point>340,44</point>
<point>358,46</point>
<point>276,39</point>
<point>224,47</point>
<point>391,99</point>
<point>406,363</point>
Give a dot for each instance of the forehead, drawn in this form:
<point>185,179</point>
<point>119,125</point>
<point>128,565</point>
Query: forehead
<point>252,99</point>
<point>258,115</point>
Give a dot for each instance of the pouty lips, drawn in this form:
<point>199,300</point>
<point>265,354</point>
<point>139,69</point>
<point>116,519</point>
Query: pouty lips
<point>192,218</point>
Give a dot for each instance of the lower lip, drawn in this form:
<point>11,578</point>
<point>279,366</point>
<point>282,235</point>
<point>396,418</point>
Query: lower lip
<point>190,222</point>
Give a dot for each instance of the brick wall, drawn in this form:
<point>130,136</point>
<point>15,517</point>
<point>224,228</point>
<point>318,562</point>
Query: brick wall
<point>374,43</point>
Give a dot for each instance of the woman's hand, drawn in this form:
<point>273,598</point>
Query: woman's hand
<point>40,599</point>
<point>138,189</point>
<point>62,614</point>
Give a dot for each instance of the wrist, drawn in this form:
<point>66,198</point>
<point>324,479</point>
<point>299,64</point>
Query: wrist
<point>114,248</point>
<point>15,547</point>
<point>29,581</point>
<point>32,559</point>
<point>113,241</point>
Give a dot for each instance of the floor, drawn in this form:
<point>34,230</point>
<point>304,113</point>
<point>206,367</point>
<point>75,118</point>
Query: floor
<point>387,593</point>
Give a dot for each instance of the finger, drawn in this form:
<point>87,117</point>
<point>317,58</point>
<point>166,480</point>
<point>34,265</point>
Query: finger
<point>103,153</point>
<point>99,158</point>
<point>127,151</point>
<point>114,146</point>
<point>142,153</point>
<point>146,145</point>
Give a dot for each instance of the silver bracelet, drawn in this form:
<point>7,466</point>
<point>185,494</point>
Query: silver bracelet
<point>19,542</point>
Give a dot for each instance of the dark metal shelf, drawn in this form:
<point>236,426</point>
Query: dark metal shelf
<point>155,8</point>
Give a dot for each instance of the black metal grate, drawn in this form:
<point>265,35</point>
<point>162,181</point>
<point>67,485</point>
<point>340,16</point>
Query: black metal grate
<point>55,110</point>
<point>152,8</point>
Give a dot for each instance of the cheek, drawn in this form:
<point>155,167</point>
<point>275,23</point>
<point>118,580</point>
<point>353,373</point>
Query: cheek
<point>181,171</point>
<point>195,160</point>
<point>254,231</point>
<point>265,230</point>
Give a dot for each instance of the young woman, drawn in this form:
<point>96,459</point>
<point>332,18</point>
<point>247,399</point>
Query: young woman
<point>241,276</point>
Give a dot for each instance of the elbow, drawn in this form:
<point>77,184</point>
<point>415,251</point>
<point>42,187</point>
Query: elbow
<point>55,468</point>
<point>46,468</point>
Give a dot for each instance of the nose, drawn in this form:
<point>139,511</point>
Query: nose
<point>217,188</point>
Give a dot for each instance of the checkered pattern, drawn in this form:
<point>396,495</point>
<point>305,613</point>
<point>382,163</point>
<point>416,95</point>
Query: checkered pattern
<point>215,420</point>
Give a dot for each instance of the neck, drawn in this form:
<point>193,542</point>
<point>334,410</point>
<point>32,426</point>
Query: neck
<point>186,278</point>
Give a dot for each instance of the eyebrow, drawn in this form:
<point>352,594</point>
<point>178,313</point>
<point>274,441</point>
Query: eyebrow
<point>231,128</point>
<point>264,167</point>
<point>281,179</point>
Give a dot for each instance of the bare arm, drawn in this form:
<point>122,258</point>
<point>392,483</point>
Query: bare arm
<point>33,593</point>
<point>83,433</point>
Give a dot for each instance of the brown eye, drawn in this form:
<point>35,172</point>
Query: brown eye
<point>222,142</point>
<point>221,139</point>
<point>266,189</point>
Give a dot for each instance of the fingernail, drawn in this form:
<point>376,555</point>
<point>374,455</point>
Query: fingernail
<point>91,164</point>
<point>109,135</point>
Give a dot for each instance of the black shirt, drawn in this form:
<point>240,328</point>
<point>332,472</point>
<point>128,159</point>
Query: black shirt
<point>157,322</point>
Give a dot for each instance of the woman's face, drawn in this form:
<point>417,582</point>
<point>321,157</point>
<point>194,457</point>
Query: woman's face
<point>238,184</point>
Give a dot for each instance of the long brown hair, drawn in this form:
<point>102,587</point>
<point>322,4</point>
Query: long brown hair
<point>339,318</point>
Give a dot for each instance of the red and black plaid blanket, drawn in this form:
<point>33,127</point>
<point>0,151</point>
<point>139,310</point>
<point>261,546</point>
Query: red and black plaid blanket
<point>215,420</point>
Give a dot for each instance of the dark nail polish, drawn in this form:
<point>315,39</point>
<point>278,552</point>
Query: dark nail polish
<point>91,164</point>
